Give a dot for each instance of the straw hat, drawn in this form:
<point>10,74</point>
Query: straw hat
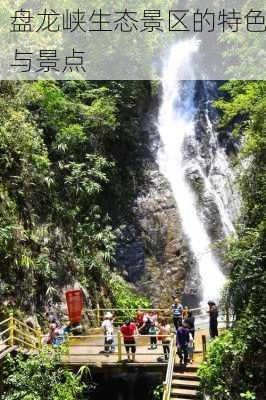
<point>108,315</point>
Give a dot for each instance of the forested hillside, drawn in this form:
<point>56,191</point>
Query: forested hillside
<point>70,163</point>
<point>236,362</point>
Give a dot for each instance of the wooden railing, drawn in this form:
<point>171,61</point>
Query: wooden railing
<point>170,368</point>
<point>92,349</point>
<point>16,333</point>
<point>120,314</point>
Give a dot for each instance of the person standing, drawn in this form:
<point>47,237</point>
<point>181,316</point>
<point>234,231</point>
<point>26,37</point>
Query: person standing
<point>190,321</point>
<point>153,316</point>
<point>128,330</point>
<point>146,324</point>
<point>164,336</point>
<point>213,313</point>
<point>177,312</point>
<point>108,328</point>
<point>139,318</point>
<point>185,312</point>
<point>182,341</point>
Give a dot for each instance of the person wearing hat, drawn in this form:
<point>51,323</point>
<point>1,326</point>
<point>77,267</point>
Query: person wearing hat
<point>108,328</point>
<point>213,313</point>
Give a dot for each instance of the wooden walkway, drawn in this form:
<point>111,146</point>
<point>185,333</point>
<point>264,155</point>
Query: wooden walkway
<point>180,382</point>
<point>89,351</point>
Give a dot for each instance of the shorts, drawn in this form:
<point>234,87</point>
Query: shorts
<point>130,346</point>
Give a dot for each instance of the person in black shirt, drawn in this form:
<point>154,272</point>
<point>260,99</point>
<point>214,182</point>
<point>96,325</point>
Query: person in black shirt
<point>190,321</point>
<point>213,313</point>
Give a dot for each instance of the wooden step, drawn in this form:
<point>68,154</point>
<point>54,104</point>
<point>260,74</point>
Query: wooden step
<point>185,393</point>
<point>185,383</point>
<point>186,375</point>
<point>188,368</point>
<point>182,398</point>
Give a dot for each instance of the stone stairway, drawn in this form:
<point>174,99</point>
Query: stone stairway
<point>185,383</point>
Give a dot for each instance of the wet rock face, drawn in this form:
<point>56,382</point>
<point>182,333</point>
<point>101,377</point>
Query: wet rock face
<point>153,252</point>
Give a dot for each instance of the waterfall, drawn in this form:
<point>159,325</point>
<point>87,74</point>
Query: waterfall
<point>176,127</point>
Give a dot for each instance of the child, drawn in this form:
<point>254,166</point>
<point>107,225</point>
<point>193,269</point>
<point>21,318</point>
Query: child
<point>185,312</point>
<point>153,317</point>
<point>164,336</point>
<point>139,318</point>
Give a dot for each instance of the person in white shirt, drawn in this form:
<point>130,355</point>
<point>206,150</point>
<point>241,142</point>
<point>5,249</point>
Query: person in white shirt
<point>107,325</point>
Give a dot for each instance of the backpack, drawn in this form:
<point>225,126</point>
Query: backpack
<point>152,330</point>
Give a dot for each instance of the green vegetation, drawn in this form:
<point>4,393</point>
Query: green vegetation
<point>70,165</point>
<point>71,162</point>
<point>39,378</point>
<point>235,367</point>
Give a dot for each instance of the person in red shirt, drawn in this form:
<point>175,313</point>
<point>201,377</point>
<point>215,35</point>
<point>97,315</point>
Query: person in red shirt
<point>128,330</point>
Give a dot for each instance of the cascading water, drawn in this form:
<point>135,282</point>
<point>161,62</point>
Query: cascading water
<point>176,126</point>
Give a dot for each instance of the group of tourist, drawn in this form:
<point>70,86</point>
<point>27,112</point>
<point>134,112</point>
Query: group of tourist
<point>58,330</point>
<point>159,330</point>
<point>145,323</point>
<point>184,323</point>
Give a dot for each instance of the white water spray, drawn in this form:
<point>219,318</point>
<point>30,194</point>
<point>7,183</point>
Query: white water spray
<point>176,124</point>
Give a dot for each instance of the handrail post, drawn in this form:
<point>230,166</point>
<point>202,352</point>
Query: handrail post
<point>11,330</point>
<point>119,346</point>
<point>174,346</point>
<point>98,319</point>
<point>165,391</point>
<point>204,346</point>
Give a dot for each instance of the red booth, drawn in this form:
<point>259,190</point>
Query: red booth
<point>74,300</point>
